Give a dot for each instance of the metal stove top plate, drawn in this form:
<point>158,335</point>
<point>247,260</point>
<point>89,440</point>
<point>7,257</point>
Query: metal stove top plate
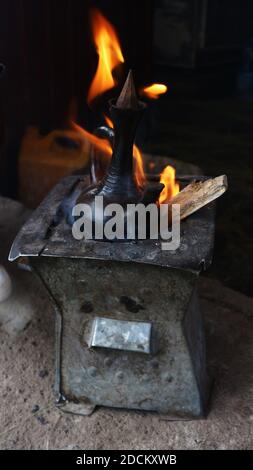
<point>40,237</point>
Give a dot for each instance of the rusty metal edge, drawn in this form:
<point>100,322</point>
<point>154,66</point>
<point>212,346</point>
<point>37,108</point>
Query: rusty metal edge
<point>42,220</point>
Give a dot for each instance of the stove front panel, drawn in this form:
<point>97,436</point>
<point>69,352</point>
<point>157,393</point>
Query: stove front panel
<point>122,339</point>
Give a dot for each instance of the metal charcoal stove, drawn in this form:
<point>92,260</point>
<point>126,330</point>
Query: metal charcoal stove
<point>128,326</point>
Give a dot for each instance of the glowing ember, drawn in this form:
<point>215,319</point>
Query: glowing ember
<point>154,91</point>
<point>109,55</point>
<point>168,178</point>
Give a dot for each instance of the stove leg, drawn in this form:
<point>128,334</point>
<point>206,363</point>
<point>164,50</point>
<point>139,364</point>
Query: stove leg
<point>82,409</point>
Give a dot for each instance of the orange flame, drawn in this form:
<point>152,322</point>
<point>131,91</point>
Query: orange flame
<point>108,121</point>
<point>154,91</point>
<point>168,178</point>
<point>109,55</point>
<point>139,170</point>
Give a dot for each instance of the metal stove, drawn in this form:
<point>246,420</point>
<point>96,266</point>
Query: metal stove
<point>129,332</point>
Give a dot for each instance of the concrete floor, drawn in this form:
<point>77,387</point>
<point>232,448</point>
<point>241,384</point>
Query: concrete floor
<point>29,419</point>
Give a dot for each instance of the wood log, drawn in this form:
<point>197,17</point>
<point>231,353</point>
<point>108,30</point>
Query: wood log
<point>197,194</point>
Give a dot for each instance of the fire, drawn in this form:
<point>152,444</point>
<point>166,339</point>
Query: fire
<point>154,91</point>
<point>100,144</point>
<point>139,170</point>
<point>108,121</point>
<point>168,178</point>
<point>109,55</point>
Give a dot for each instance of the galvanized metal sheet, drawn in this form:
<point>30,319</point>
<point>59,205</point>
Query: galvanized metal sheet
<point>170,380</point>
<point>123,335</point>
<point>45,234</point>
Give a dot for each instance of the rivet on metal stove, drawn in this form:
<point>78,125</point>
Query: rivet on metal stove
<point>92,371</point>
<point>108,362</point>
<point>168,377</point>
<point>155,364</point>
<point>145,378</point>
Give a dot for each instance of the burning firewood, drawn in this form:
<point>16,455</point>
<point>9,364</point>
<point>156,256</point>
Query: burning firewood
<point>197,194</point>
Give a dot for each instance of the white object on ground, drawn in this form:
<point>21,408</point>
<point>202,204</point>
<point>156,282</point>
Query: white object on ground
<point>5,284</point>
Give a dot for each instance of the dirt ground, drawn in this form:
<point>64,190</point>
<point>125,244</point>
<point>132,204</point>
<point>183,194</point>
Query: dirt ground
<point>29,418</point>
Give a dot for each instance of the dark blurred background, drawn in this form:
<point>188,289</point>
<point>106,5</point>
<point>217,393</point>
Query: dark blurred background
<point>201,49</point>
